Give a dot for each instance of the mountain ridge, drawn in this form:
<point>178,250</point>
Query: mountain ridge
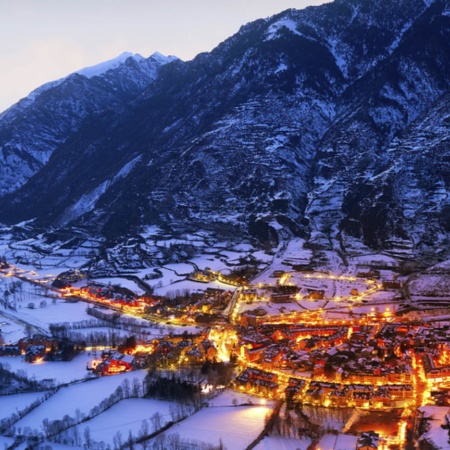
<point>289,127</point>
<point>35,126</point>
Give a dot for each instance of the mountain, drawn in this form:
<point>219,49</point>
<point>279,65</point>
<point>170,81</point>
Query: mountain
<point>34,127</point>
<point>329,123</point>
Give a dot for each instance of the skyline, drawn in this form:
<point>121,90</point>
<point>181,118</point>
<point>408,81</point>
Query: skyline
<point>47,40</point>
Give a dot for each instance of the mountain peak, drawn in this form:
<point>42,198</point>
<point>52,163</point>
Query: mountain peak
<point>159,57</point>
<point>99,69</point>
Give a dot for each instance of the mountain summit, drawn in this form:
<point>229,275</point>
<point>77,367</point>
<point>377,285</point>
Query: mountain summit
<point>331,123</point>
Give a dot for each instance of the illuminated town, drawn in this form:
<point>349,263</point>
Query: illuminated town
<point>298,337</point>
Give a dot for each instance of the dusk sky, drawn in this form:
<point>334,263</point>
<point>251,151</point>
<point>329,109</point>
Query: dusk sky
<point>45,40</point>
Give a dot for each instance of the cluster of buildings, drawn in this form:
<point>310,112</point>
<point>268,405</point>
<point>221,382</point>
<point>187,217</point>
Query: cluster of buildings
<point>342,366</point>
<point>38,347</point>
<point>321,393</point>
<point>171,350</point>
<point>204,306</point>
<point>112,363</point>
<point>116,295</point>
<point>179,350</point>
<point>258,382</point>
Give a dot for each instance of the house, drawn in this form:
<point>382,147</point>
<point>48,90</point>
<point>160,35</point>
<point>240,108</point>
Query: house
<point>115,363</point>
<point>316,294</point>
<point>258,381</point>
<point>280,298</point>
<point>278,273</point>
<point>368,441</point>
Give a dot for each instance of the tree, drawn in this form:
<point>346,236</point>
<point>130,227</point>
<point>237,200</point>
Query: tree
<point>144,432</point>
<point>46,427</point>
<point>87,438</point>
<point>117,440</point>
<point>130,441</point>
<point>76,435</point>
<point>136,388</point>
<point>126,388</point>
<point>156,421</point>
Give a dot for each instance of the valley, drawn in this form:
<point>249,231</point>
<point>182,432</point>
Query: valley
<point>274,326</point>
<point>246,250</point>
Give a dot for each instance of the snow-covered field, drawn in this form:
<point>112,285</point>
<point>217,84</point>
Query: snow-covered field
<point>337,442</point>
<point>236,426</point>
<point>79,396</point>
<point>60,371</point>
<point>191,286</point>
<point>57,312</point>
<point>282,443</point>
<point>14,403</point>
<point>127,416</point>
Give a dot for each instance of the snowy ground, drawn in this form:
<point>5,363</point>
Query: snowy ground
<point>122,282</point>
<point>5,442</point>
<point>57,312</point>
<point>15,403</point>
<point>60,371</point>
<point>436,435</point>
<point>236,426</point>
<point>80,396</point>
<point>281,443</point>
<point>233,398</point>
<point>125,417</point>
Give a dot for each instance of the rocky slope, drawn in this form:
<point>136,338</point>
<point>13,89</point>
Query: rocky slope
<point>330,123</point>
<point>32,129</point>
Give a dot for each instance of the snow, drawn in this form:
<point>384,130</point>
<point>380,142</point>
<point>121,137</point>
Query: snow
<point>180,269</point>
<point>81,396</point>
<point>281,443</point>
<point>162,59</point>
<point>337,442</point>
<point>232,398</point>
<point>333,43</point>
<point>433,285</point>
<point>127,416</point>
<point>211,261</point>
<point>236,426</point>
<point>122,282</point>
<point>436,435</point>
<point>274,29</point>
<point>61,371</point>
<point>168,279</point>
<point>5,442</point>
<point>399,37</point>
<point>281,68</point>
<point>127,168</point>
<point>191,286</point>
<point>11,331</point>
<point>57,312</point>
<point>13,403</point>
<point>98,69</point>
<point>84,204</point>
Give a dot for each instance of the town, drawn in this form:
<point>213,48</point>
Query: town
<point>302,337</point>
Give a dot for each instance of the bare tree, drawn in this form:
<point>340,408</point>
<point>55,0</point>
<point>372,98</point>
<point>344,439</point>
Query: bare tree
<point>143,433</point>
<point>117,440</point>
<point>156,421</point>
<point>87,438</point>
<point>126,388</point>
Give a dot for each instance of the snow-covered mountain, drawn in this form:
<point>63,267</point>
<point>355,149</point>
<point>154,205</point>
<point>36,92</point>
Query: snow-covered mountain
<point>331,123</point>
<point>34,127</point>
